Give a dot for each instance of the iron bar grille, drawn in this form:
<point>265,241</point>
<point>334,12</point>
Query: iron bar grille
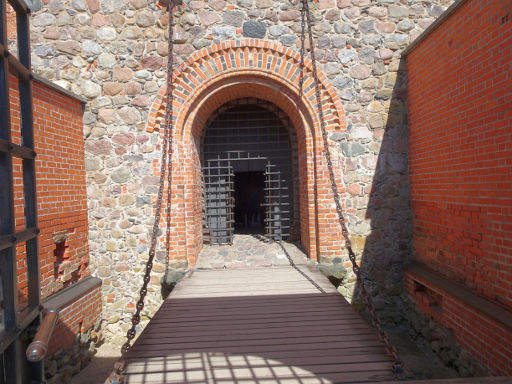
<point>277,204</point>
<point>244,137</point>
<point>219,200</point>
<point>20,313</point>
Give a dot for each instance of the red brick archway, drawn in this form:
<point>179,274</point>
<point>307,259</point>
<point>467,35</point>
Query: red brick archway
<point>240,69</point>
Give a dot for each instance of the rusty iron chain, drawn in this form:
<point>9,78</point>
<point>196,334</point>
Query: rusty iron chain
<point>294,266</point>
<point>164,169</point>
<point>302,49</point>
<point>390,349</point>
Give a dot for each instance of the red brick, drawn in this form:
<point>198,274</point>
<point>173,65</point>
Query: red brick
<point>460,151</point>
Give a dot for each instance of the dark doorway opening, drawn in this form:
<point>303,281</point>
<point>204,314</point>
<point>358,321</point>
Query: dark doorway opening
<point>255,141</point>
<point>249,196</point>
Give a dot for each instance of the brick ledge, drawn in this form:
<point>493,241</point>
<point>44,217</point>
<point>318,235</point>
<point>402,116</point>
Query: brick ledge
<point>68,295</point>
<point>58,88</point>
<point>432,27</point>
<point>440,283</point>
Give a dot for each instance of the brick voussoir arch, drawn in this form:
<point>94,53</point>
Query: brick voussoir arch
<point>236,69</point>
<point>190,75</point>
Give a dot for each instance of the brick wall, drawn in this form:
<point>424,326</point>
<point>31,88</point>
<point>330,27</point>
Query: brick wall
<point>483,336</point>
<point>62,205</point>
<point>76,318</point>
<point>460,148</point>
<point>11,23</point>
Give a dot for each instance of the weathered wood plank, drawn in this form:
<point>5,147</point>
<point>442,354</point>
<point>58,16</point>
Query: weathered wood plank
<point>249,312</point>
<point>293,330</point>
<point>262,325</point>
<point>263,363</point>
<point>256,301</point>
<point>294,357</point>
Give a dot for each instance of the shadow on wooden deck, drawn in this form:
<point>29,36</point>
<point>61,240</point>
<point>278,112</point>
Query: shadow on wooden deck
<point>216,328</point>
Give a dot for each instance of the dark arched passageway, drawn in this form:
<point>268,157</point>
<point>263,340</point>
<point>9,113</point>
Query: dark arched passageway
<point>249,169</point>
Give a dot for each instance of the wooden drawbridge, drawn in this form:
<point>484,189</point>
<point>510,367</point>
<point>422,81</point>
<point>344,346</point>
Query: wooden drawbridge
<point>266,325</point>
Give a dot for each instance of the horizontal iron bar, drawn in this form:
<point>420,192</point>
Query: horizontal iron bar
<point>26,234</point>
<point>9,240</point>
<point>19,6</point>
<point>238,157</point>
<point>17,150</point>
<point>8,336</point>
<point>24,74</point>
<point>218,180</point>
<point>277,204</point>
<point>255,144</point>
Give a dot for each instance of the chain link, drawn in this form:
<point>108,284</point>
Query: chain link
<point>166,159</point>
<point>391,350</point>
<point>302,48</point>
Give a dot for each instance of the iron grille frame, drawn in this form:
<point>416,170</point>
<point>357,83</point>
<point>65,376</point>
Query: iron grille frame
<point>277,227</point>
<point>14,368</point>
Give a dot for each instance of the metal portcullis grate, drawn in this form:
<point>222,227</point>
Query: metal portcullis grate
<point>247,136</point>
<point>218,175</point>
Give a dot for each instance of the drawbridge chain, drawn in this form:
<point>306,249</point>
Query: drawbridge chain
<point>391,350</point>
<point>164,169</point>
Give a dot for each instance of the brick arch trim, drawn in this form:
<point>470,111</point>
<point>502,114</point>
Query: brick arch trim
<point>210,67</point>
<point>238,69</point>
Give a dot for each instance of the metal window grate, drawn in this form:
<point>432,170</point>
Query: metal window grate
<point>218,183</point>
<point>16,323</point>
<point>277,204</point>
<point>248,135</point>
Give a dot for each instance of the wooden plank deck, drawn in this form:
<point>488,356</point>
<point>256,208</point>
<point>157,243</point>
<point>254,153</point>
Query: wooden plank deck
<point>268,325</point>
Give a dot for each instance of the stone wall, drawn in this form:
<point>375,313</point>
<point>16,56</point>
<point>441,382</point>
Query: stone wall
<point>114,52</point>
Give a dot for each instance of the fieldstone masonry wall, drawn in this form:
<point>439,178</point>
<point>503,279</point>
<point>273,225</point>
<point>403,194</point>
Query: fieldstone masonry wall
<point>114,52</point>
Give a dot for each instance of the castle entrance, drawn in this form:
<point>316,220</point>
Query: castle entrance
<point>248,172</point>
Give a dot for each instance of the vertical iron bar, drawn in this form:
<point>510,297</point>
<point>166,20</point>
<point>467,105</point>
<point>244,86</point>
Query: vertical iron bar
<point>7,223</point>
<point>16,368</point>
<point>29,171</point>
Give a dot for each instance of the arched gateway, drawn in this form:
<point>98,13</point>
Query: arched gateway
<point>248,72</point>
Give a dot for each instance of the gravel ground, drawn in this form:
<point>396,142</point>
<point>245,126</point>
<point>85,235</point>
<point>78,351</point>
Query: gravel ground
<point>100,367</point>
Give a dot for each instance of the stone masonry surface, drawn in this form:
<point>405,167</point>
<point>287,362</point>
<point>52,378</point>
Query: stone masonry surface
<point>249,251</point>
<point>114,52</point>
